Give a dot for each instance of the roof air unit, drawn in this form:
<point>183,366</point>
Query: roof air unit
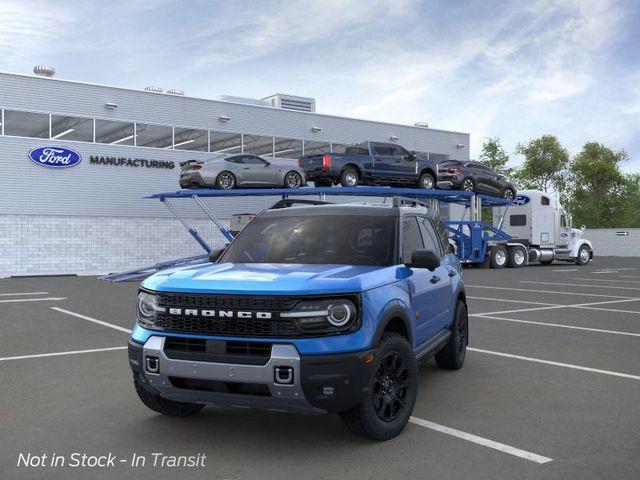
<point>44,71</point>
<point>175,91</point>
<point>153,88</point>
<point>291,102</point>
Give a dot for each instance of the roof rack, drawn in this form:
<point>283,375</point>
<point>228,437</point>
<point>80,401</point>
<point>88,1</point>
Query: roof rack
<point>290,202</point>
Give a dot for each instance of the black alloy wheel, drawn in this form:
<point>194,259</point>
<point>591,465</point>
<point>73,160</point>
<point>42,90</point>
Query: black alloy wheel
<point>390,387</point>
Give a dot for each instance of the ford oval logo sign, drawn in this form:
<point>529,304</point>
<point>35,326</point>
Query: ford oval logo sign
<point>521,200</point>
<point>55,157</point>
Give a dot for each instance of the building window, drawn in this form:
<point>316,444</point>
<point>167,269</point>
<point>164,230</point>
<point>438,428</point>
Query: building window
<point>258,145</point>
<point>226,142</point>
<point>287,148</point>
<point>157,136</point>
<point>115,133</point>
<point>71,128</point>
<point>316,148</point>
<point>190,139</point>
<point>338,147</point>
<point>26,124</point>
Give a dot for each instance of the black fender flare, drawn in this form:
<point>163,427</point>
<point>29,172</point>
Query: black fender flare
<point>395,311</point>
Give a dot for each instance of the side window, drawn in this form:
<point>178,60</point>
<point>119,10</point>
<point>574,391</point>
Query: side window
<point>253,160</point>
<point>544,200</point>
<point>411,238</point>
<point>382,150</point>
<point>237,159</point>
<point>443,234</point>
<point>431,241</point>
<point>398,151</point>
<point>563,221</point>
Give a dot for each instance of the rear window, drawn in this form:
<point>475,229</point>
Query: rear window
<point>518,220</point>
<point>357,151</point>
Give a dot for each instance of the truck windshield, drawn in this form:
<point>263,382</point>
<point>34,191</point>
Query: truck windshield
<point>318,239</point>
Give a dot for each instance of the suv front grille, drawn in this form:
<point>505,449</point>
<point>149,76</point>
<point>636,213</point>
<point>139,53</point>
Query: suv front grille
<point>228,326</point>
<point>218,351</point>
<point>232,302</point>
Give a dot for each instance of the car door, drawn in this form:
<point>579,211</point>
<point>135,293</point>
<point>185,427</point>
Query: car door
<point>405,166</point>
<point>383,160</point>
<point>423,285</point>
<point>258,171</point>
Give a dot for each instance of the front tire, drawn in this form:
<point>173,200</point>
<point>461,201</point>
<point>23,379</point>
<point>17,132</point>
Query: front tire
<point>427,182</point>
<point>349,178</point>
<point>225,180</point>
<point>393,388</point>
<point>452,355</point>
<point>293,180</point>
<point>164,406</point>
<point>584,255</point>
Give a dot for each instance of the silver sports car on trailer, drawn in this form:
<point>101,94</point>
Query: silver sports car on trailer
<point>241,170</point>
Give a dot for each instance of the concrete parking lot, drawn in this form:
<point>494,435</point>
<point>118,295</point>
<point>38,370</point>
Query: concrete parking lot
<point>550,390</point>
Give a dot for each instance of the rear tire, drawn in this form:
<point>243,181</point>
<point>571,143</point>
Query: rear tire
<point>164,406</point>
<point>292,180</point>
<point>225,180</point>
<point>508,194</point>
<point>349,178</point>
<point>452,355</point>
<point>517,257</point>
<point>393,388</point>
<point>468,185</point>
<point>498,256</point>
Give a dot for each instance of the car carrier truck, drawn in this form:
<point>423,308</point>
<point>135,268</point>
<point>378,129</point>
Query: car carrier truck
<point>540,231</point>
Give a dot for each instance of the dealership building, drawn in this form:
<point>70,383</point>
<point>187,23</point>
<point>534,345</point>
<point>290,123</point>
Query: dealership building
<point>91,217</point>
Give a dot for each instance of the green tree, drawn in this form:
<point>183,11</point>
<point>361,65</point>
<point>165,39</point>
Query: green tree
<point>545,164</point>
<point>495,157</point>
<point>600,195</point>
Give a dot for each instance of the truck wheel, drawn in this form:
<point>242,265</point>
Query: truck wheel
<point>584,255</point>
<point>427,182</point>
<point>164,406</point>
<point>225,180</point>
<point>517,257</point>
<point>499,256</point>
<point>349,178</point>
<point>452,355</point>
<point>393,387</point>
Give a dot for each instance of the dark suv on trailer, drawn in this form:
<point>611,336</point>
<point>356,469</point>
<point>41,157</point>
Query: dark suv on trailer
<point>474,177</point>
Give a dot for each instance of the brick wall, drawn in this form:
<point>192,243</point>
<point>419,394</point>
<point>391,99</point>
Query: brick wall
<point>53,245</point>
<point>612,241</point>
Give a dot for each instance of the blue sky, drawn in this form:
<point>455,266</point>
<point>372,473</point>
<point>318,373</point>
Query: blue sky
<point>493,68</point>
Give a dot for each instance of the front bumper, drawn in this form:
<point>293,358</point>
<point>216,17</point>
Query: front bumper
<point>320,383</point>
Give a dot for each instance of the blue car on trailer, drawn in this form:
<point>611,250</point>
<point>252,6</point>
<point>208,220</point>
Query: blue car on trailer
<point>313,308</point>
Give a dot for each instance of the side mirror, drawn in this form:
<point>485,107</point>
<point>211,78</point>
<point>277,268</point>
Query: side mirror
<point>215,255</point>
<point>411,156</point>
<point>425,259</point>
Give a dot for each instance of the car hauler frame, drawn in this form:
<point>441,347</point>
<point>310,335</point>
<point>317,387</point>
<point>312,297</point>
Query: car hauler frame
<point>474,239</point>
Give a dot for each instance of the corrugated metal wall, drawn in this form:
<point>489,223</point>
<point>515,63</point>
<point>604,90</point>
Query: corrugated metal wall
<point>614,242</point>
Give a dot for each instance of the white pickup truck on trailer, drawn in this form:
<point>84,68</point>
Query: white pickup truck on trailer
<point>540,231</point>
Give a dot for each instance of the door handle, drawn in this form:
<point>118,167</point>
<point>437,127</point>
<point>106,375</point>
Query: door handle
<point>452,273</point>
<point>434,279</point>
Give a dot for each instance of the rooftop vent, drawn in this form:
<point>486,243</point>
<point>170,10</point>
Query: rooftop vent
<point>244,100</point>
<point>153,88</point>
<point>44,71</point>
<point>291,102</point>
<point>175,91</point>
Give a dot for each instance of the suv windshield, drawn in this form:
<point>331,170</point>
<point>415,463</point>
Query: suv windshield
<point>329,239</point>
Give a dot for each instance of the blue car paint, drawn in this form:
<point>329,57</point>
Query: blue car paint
<point>382,288</point>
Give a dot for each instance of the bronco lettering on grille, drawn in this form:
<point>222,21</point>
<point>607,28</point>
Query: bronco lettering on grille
<point>219,313</point>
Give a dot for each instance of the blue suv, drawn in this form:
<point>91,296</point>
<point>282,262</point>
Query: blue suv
<point>311,309</point>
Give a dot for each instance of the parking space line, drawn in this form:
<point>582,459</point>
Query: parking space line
<point>57,354</point>
<point>577,305</point>
<point>606,280</point>
<point>20,300</point>
<point>566,270</point>
<point>547,291</point>
<point>485,442</point>
<point>629,276</point>
<point>511,301</point>
<point>94,320</point>
<point>27,293</point>
<point>555,364</point>
<point>581,285</point>
<point>559,325</point>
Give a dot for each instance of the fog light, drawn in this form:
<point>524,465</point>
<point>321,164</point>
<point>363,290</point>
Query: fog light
<point>153,365</point>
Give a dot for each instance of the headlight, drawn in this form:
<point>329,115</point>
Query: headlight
<point>148,309</point>
<point>325,316</point>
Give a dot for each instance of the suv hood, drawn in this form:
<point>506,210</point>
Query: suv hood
<point>271,278</point>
